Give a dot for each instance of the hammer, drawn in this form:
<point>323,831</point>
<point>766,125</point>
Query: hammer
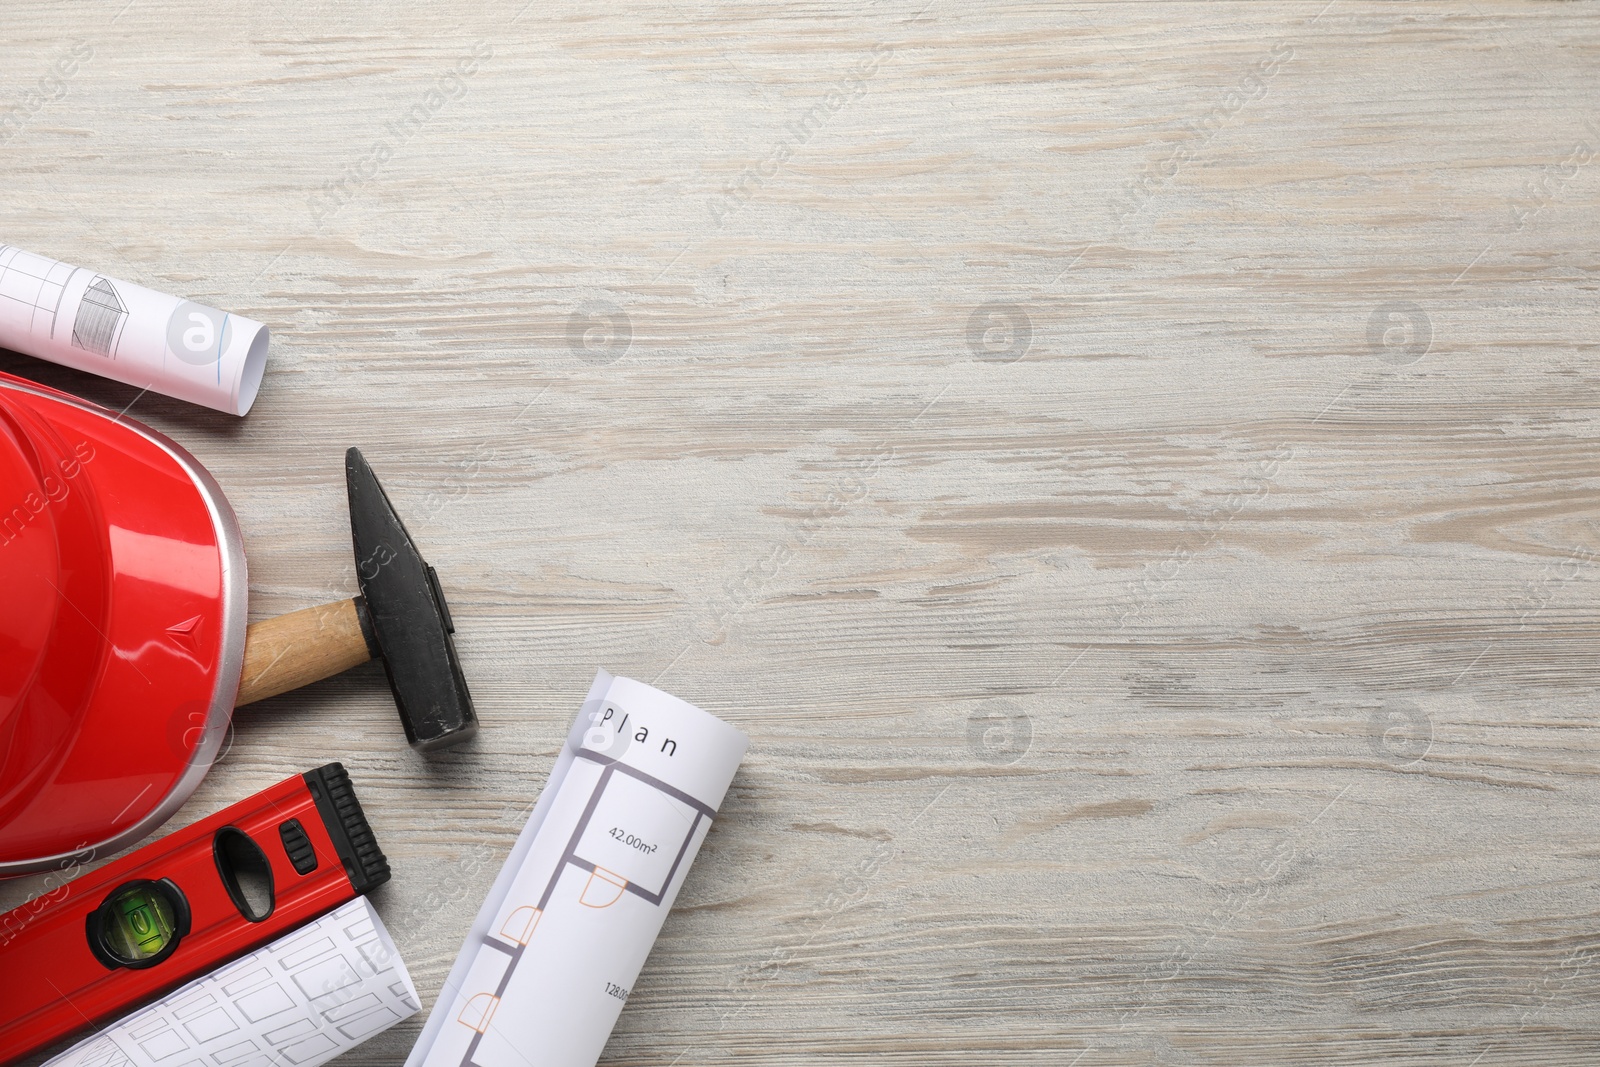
<point>400,618</point>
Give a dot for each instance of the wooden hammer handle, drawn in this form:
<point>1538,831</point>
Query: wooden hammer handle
<point>300,648</point>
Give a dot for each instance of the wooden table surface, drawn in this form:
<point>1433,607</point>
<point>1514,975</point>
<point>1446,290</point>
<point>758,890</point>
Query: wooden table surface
<point>1130,469</point>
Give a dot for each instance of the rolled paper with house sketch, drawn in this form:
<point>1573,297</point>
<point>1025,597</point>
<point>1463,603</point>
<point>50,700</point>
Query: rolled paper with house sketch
<point>91,322</point>
<point>315,992</point>
<point>573,914</point>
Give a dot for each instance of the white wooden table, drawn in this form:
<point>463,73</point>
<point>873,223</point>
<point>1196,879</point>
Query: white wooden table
<point>1129,468</point>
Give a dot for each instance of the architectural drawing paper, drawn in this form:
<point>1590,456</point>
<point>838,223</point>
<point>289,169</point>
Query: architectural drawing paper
<point>106,326</point>
<point>574,912</point>
<point>300,1001</point>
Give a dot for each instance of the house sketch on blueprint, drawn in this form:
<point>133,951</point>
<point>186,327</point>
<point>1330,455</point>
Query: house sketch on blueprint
<point>100,317</point>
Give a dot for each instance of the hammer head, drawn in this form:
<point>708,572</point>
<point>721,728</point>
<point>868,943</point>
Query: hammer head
<point>404,617</point>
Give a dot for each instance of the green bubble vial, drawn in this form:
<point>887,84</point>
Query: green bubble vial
<point>139,923</point>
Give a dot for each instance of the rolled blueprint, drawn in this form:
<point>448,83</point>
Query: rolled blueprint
<point>303,999</point>
<point>573,914</point>
<point>106,326</point>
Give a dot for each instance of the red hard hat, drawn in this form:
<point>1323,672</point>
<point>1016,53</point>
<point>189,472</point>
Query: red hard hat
<point>122,619</point>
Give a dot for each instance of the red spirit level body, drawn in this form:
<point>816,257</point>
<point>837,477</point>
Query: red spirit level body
<point>182,906</point>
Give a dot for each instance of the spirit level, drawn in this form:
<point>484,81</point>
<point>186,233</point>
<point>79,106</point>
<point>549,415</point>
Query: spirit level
<point>182,906</point>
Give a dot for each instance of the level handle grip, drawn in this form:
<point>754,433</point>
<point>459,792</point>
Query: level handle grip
<point>302,647</point>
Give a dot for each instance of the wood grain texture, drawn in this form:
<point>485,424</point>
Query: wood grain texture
<point>1129,467</point>
<point>298,648</point>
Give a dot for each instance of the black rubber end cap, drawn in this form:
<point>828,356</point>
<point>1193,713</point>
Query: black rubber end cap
<point>347,824</point>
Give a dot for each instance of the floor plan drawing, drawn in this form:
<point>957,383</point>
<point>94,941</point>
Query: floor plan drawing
<point>558,945</point>
<point>631,864</point>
